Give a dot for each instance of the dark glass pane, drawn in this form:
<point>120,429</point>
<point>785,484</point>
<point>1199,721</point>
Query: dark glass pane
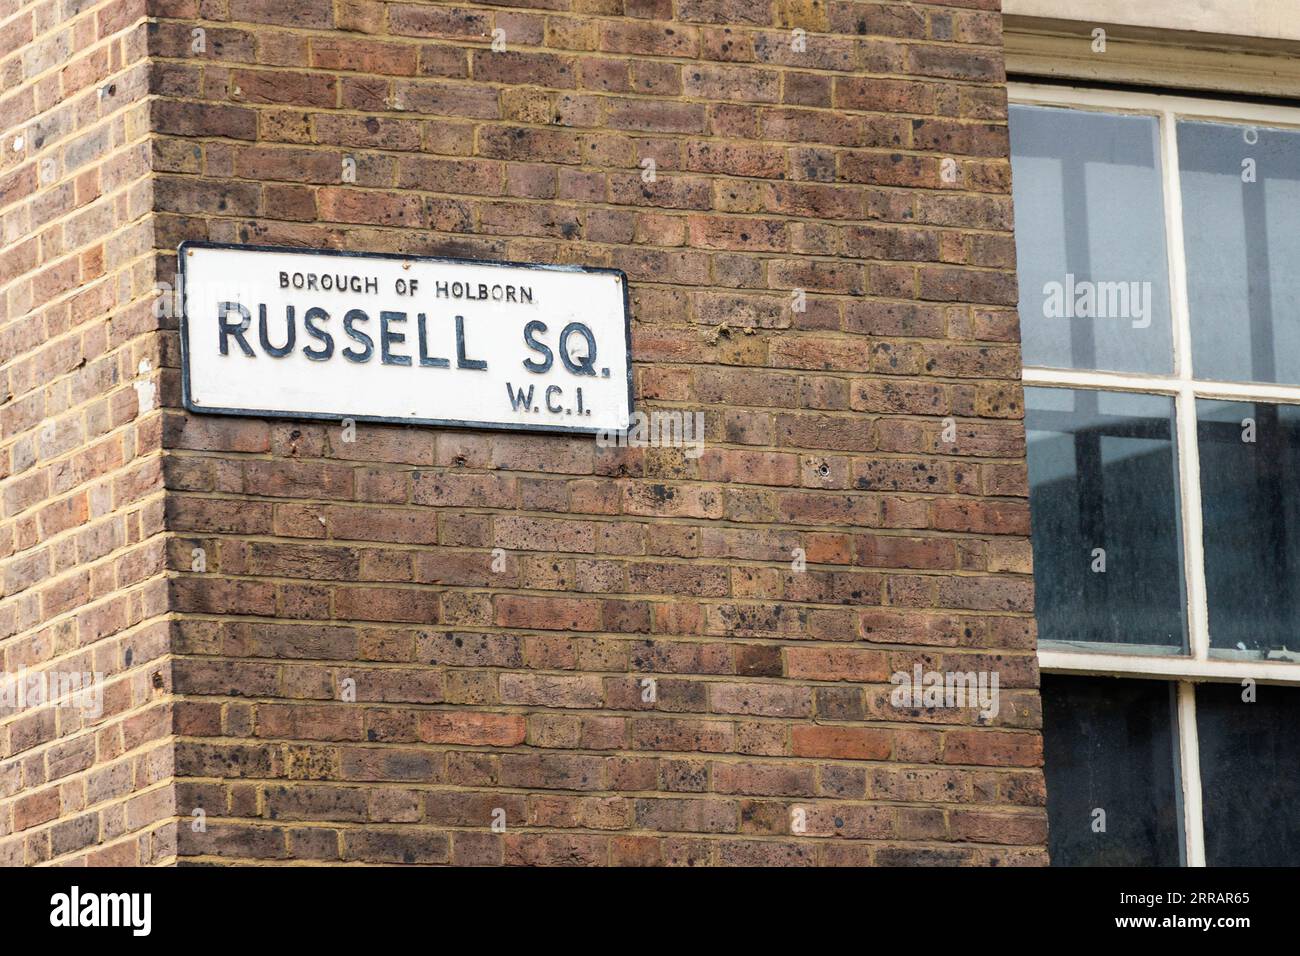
<point>1250,503</point>
<point>1111,745</point>
<point>1090,240</point>
<point>1250,775</point>
<point>1241,230</point>
<point>1103,486</point>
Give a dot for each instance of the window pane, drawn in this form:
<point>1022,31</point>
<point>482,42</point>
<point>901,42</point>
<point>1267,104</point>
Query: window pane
<point>1241,226</point>
<point>1103,505</point>
<point>1250,501</point>
<point>1111,745</point>
<point>1250,775</point>
<point>1090,240</point>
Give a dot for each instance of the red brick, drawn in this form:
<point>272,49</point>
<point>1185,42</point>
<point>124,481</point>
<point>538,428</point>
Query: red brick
<point>355,652</point>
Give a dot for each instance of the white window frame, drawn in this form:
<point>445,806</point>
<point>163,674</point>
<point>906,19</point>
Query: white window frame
<point>1197,665</point>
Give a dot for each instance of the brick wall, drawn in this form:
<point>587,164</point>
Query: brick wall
<point>821,262</point>
<point>82,586</point>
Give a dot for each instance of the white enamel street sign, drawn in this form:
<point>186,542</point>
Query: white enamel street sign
<point>312,334</point>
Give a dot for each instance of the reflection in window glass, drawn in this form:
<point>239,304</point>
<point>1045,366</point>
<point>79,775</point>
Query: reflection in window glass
<point>1103,504</point>
<point>1241,226</point>
<point>1111,746</point>
<point>1250,495</point>
<point>1090,240</point>
<point>1250,774</point>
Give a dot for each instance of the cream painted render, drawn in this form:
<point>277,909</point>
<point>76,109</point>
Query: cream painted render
<point>1264,19</point>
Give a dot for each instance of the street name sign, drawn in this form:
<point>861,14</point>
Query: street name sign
<point>299,333</point>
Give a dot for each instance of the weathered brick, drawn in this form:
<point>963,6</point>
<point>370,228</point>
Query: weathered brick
<point>356,651</point>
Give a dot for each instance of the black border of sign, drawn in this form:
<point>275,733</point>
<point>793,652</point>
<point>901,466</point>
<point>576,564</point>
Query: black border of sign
<point>189,244</point>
